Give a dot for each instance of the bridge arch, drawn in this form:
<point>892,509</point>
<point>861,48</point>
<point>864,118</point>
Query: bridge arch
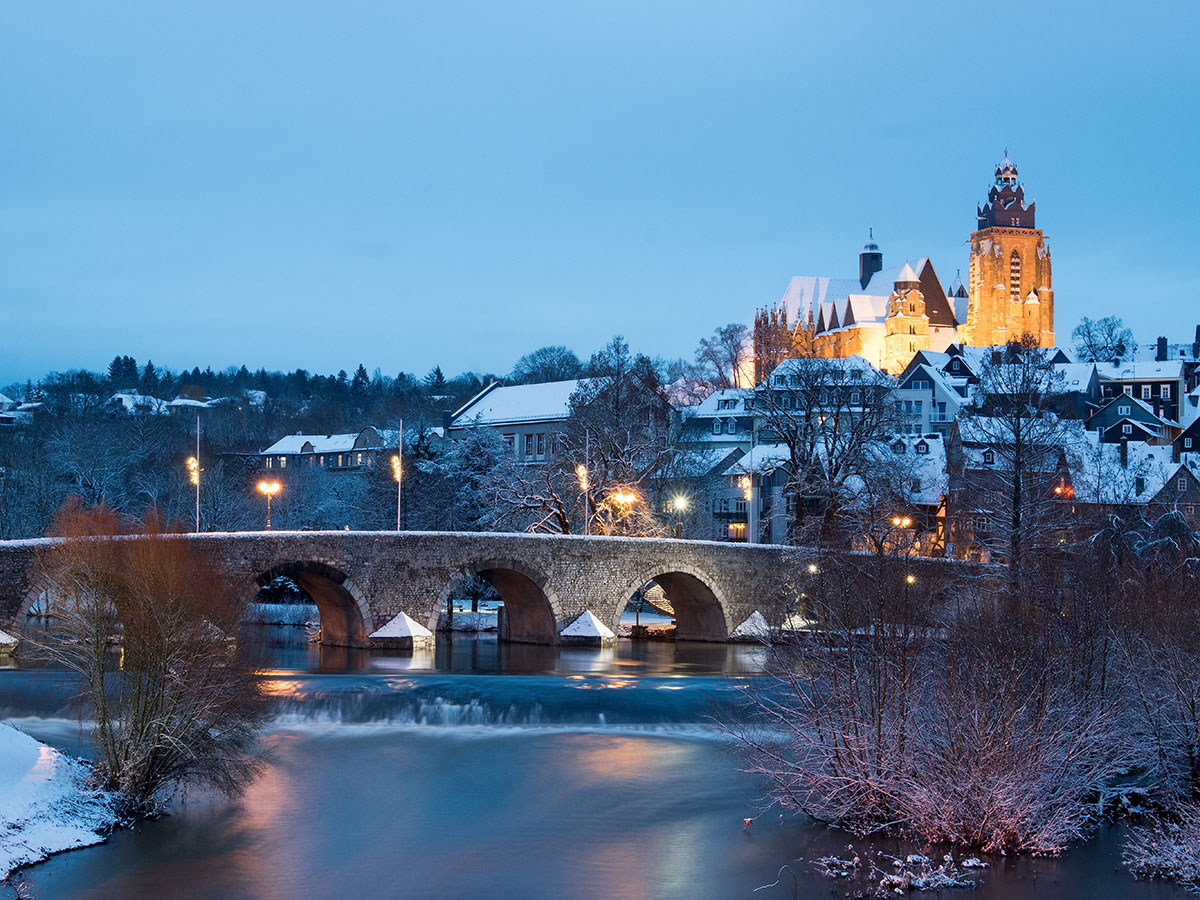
<point>344,611</point>
<point>701,608</point>
<point>531,606</point>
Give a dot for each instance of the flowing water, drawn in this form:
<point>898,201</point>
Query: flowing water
<point>493,771</point>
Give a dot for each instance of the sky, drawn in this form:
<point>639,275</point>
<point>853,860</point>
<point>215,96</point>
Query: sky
<point>313,185</point>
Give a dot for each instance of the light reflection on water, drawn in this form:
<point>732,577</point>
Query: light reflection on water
<point>442,776</point>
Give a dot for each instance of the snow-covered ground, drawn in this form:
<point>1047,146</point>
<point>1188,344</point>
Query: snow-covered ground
<point>45,802</point>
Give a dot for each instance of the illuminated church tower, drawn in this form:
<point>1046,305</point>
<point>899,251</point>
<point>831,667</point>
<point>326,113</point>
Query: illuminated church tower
<point>1010,291</point>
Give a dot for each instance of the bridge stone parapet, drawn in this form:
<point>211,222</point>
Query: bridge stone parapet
<point>360,580</point>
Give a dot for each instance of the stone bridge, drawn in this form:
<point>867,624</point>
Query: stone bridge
<point>360,580</point>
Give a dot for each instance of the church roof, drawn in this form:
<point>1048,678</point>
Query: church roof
<point>906,275</point>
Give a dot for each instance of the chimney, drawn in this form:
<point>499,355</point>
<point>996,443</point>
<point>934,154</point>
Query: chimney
<point>1160,354</point>
<point>1124,453</point>
<point>1175,450</point>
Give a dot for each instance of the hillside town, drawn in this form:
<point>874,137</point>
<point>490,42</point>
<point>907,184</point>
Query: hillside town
<point>883,410</point>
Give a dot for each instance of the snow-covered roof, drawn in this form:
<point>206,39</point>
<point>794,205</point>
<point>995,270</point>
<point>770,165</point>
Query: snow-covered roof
<point>180,402</point>
<point>809,292</point>
<point>1141,371</point>
<point>132,401</point>
<point>762,458</point>
<point>6,402</point>
<point>1098,476</point>
<point>906,274</point>
<point>1075,376</point>
<point>710,407</point>
<point>853,368</point>
<point>321,443</point>
<point>500,404</point>
<point>586,624</point>
<point>402,625</point>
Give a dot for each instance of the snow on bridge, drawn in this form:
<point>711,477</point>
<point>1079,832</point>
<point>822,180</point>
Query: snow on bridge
<point>361,580</point>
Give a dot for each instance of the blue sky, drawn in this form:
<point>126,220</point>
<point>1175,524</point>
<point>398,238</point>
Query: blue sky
<point>403,184</point>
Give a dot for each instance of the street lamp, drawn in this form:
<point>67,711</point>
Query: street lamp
<point>397,473</point>
<point>746,483</point>
<point>269,489</point>
<point>812,568</point>
<point>194,470</point>
<point>581,473</point>
<point>680,505</point>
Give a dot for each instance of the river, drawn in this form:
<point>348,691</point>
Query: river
<point>493,771</point>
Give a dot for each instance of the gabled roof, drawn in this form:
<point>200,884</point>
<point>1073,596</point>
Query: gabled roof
<point>1098,476</point>
<point>293,444</point>
<point>1138,411</point>
<point>818,293</point>
<point>1140,371</point>
<point>499,404</point>
<point>709,407</point>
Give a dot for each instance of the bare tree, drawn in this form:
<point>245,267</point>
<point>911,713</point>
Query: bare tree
<point>546,364</point>
<point>1102,340</point>
<point>177,705</point>
<point>724,355</point>
<point>1010,459</point>
<point>825,414</point>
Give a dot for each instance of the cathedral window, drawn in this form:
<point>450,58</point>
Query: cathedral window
<point>1014,276</point>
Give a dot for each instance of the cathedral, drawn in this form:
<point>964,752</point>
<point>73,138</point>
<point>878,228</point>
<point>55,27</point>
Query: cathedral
<point>887,315</point>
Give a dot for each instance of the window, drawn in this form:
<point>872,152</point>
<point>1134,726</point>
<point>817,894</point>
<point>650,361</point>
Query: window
<point>1124,410</point>
<point>1127,390</point>
<point>1139,484</point>
<point>1165,392</point>
<point>739,506</point>
<point>541,445</point>
<point>1187,443</point>
<point>510,441</point>
<point>1126,428</point>
<point>1145,392</point>
<point>855,398</point>
<point>921,447</point>
<point>716,426</point>
<point>339,459</point>
<point>1014,276</point>
<point>898,447</point>
<point>731,426</point>
<point>358,459</point>
<point>916,485</point>
<point>917,407</point>
<point>321,461</point>
<point>283,462</point>
<point>268,463</point>
<point>989,457</point>
<point>529,445</point>
<point>1181,485</point>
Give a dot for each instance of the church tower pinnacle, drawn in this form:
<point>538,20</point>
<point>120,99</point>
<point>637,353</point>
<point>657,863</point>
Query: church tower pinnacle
<point>1010,290</point>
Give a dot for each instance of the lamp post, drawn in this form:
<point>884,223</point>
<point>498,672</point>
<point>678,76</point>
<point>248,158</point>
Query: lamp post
<point>746,483</point>
<point>680,505</point>
<point>269,489</point>
<point>193,467</point>
<point>194,470</point>
<point>581,473</point>
<point>398,472</point>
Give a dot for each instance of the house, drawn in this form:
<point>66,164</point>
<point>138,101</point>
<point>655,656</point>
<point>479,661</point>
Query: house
<point>1126,418</point>
<point>723,420</point>
<point>335,452</point>
<point>1160,384</point>
<point>527,416</point>
<point>928,399</point>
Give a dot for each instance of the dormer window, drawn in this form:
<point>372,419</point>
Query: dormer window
<point>989,457</point>
<point>1123,410</point>
<point>921,447</point>
<point>898,448</point>
<point>716,426</point>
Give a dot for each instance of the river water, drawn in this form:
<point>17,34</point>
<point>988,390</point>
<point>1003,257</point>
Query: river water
<point>491,771</point>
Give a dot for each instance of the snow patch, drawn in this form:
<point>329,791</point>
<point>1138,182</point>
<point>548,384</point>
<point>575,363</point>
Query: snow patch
<point>45,802</point>
<point>587,625</point>
<point>8,643</point>
<point>755,626</point>
<point>402,625</point>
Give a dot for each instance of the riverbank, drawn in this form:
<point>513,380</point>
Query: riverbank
<point>46,805</point>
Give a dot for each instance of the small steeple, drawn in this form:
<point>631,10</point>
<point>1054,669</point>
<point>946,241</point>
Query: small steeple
<point>907,277</point>
<point>870,260</point>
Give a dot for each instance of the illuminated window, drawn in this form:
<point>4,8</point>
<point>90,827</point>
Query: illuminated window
<point>268,462</point>
<point>1014,276</point>
<point>283,462</point>
<point>358,459</point>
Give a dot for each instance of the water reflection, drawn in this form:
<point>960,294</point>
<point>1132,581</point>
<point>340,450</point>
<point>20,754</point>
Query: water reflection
<point>288,648</point>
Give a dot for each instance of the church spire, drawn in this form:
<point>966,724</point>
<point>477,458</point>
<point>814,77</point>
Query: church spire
<point>870,260</point>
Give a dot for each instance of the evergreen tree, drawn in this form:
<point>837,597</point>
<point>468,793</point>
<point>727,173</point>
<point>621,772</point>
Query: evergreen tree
<point>148,383</point>
<point>435,380</point>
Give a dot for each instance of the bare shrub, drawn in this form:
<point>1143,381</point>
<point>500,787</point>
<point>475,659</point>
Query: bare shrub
<point>176,703</point>
<point>1167,847</point>
<point>894,709</point>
